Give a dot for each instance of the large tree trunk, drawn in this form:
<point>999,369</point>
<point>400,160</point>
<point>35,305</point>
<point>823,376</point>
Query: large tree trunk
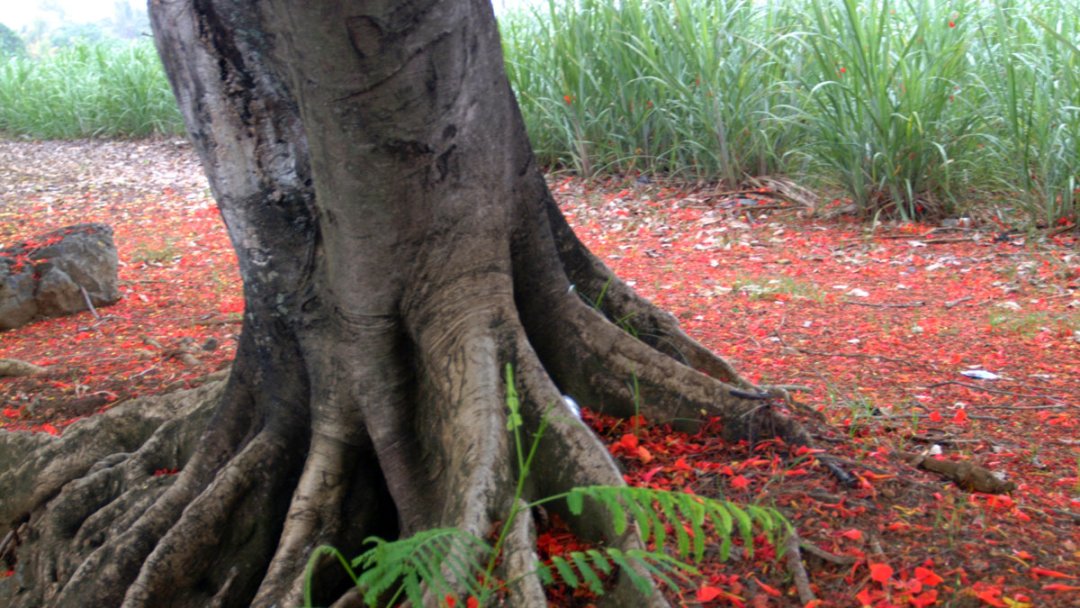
<point>398,247</point>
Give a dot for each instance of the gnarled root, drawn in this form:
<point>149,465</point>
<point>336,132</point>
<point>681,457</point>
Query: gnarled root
<point>653,326</point>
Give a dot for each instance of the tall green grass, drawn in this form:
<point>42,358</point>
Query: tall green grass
<point>1032,81</point>
<point>907,106</point>
<point>879,104</point>
<point>675,87</point>
<point>102,89</point>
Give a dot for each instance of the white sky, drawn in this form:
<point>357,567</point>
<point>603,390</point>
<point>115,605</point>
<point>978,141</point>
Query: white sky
<point>17,14</point>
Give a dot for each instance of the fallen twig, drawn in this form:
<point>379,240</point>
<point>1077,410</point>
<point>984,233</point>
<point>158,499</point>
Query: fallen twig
<point>797,569</point>
<point>942,241</point>
<point>820,353</point>
<point>228,319</point>
<point>1023,407</point>
<point>996,391</point>
<point>147,340</point>
<point>832,558</point>
<point>951,440</point>
<point>1070,514</point>
<point>89,304</point>
<point>967,475</point>
<point>915,304</point>
<point>839,473</point>
<point>923,416</point>
<point>957,302</point>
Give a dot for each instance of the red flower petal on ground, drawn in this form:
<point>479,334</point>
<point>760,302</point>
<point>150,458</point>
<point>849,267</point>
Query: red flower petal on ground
<point>1060,587</point>
<point>925,599</point>
<point>881,572</point>
<point>644,455</point>
<point>739,482</point>
<point>708,593</point>
<point>852,534</point>
<point>927,576</point>
<point>866,597</point>
<point>1037,572</point>
<point>989,594</point>
<point>682,465</point>
<point>773,591</point>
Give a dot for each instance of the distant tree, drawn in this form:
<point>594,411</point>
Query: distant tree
<point>77,33</point>
<point>10,42</point>
<point>129,20</point>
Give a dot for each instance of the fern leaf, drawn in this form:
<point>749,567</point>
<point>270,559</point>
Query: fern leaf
<point>309,569</point>
<point>618,516</point>
<point>600,560</point>
<point>723,524</point>
<point>566,572</point>
<point>647,521</point>
<point>582,562</point>
<point>641,583</point>
<point>686,513</point>
<point>695,514</point>
<point>412,563</point>
<point>575,500</point>
<point>660,565</point>
<point>746,528</point>
<point>415,593</point>
<point>763,518</point>
<point>544,574</point>
<point>682,539</point>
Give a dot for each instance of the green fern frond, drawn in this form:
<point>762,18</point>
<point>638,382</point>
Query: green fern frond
<point>581,560</point>
<point>585,568</point>
<point>600,561</point>
<point>659,565</point>
<point>686,513</point>
<point>410,565</point>
<point>309,569</point>
<point>566,572</point>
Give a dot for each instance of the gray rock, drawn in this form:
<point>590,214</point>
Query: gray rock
<point>46,276</point>
<point>58,295</point>
<point>17,304</point>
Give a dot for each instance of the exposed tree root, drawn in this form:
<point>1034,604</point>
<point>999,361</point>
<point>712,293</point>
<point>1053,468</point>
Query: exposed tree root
<point>652,325</point>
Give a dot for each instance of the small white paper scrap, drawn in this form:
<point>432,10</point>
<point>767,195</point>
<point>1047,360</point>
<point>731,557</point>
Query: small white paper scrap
<point>980,374</point>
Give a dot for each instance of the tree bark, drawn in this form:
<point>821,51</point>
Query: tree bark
<point>398,247</point>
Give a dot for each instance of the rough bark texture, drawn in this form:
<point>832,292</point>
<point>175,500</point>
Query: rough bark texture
<point>398,247</point>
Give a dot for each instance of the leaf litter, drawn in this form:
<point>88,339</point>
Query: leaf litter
<point>960,348</point>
